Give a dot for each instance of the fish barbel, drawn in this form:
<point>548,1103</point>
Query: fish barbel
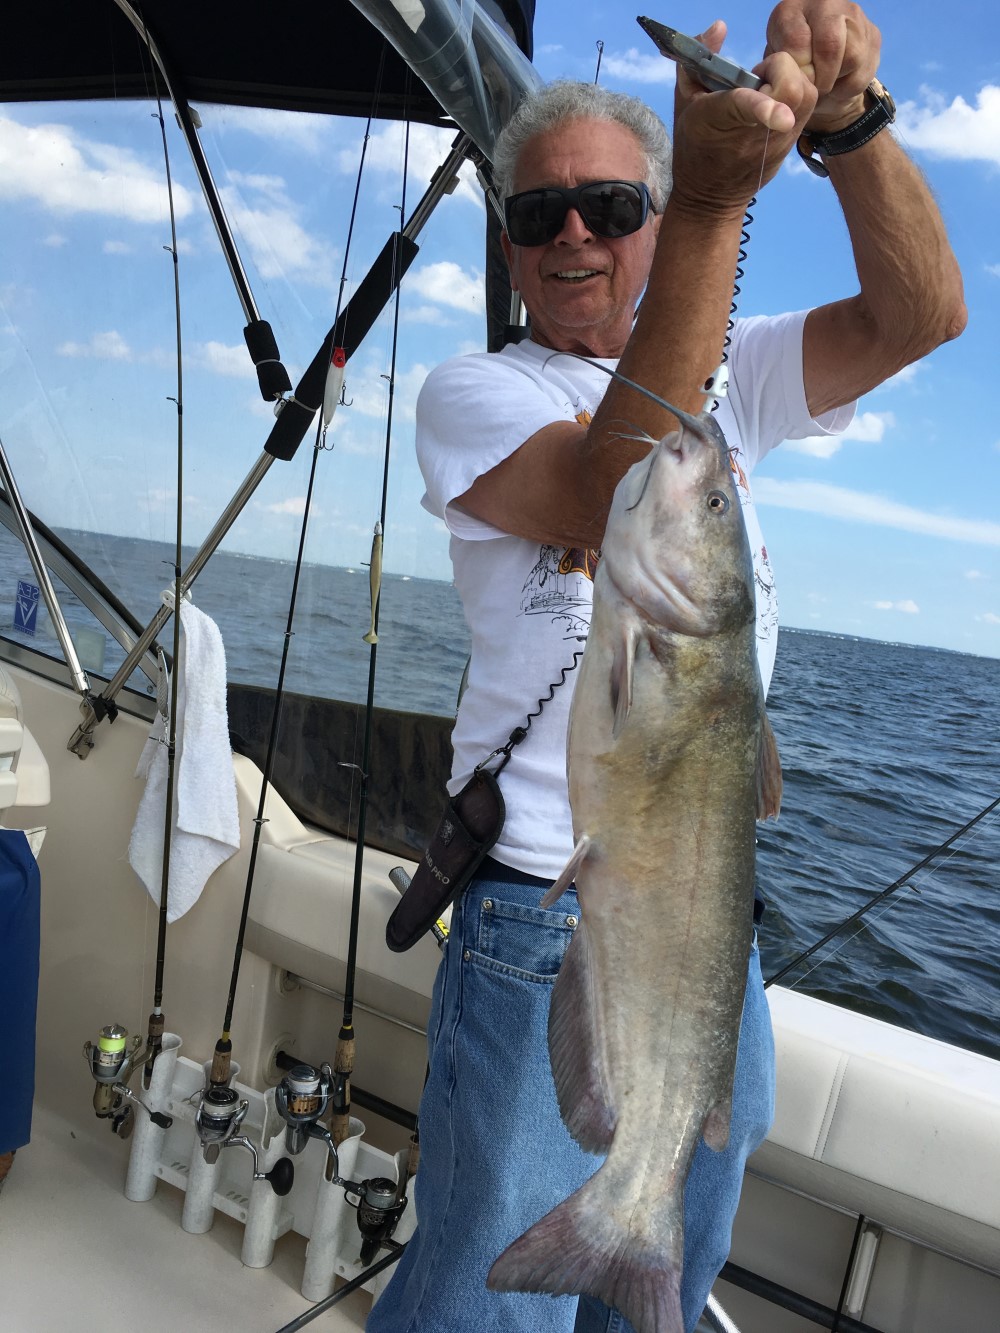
<point>671,761</point>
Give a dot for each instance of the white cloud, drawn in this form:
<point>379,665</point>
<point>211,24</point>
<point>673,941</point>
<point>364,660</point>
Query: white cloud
<point>294,505</point>
<point>222,359</point>
<point>953,129</point>
<point>905,376</point>
<point>116,248</point>
<point>110,346</point>
<point>994,269</point>
<point>54,241</point>
<point>634,66</point>
<point>301,130</point>
<point>424,314</point>
<point>816,497</point>
<point>260,208</point>
<point>52,166</point>
<point>447,283</point>
<point>975,574</point>
<point>428,148</point>
<point>989,618</point>
<point>369,392</point>
<point>866,428</point>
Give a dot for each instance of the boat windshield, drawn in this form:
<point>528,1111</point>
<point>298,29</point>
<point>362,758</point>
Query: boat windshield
<point>89,383</point>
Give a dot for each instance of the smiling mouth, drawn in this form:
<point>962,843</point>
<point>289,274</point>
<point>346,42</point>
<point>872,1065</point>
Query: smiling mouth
<point>576,274</point>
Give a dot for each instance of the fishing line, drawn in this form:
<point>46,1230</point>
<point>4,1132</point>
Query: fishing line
<point>879,897</point>
<point>221,1062</point>
<point>343,1066</point>
<point>692,422</point>
<point>889,906</point>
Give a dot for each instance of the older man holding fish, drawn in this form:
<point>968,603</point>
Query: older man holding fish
<point>522,453</point>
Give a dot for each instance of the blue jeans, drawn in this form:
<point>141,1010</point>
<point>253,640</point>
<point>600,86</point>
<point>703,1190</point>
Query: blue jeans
<point>494,1153</point>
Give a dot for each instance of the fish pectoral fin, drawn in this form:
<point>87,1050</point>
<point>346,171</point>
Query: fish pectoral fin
<point>715,1130</point>
<point>569,874</point>
<point>622,668</point>
<point>576,1050</point>
<point>768,771</point>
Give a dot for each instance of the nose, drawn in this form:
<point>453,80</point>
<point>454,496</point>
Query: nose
<point>574,230</point>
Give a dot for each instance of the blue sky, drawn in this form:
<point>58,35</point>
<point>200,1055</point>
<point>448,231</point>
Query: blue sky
<point>892,532</point>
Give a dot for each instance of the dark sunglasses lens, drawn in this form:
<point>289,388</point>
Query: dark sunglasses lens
<point>609,208</point>
<point>612,208</point>
<point>535,217</point>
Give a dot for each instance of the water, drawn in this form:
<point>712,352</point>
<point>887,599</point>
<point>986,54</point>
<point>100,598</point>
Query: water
<point>886,749</point>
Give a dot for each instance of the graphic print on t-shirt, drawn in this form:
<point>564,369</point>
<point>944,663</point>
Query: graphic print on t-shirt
<point>561,581</point>
<point>561,586</point>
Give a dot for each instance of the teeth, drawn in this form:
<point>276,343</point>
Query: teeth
<point>577,273</point>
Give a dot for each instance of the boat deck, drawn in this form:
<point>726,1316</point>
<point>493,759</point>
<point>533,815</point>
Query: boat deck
<point>76,1254</point>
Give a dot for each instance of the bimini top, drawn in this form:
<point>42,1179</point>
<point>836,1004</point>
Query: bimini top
<point>325,56</point>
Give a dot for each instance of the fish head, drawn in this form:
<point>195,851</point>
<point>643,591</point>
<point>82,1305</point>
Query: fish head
<point>675,544</point>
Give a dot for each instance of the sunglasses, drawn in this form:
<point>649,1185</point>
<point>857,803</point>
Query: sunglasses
<point>608,208</point>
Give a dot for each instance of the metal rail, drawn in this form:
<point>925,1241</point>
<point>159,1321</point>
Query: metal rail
<point>26,532</point>
<point>443,182</point>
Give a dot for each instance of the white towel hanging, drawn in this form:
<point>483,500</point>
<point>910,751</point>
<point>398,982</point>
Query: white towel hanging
<point>206,829</point>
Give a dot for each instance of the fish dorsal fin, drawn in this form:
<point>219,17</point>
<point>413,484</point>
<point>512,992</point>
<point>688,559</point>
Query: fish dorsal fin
<point>579,1063</point>
<point>768,771</point>
<point>569,874</point>
<point>622,667</point>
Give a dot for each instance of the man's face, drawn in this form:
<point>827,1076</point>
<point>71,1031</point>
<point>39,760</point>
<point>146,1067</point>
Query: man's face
<point>581,290</point>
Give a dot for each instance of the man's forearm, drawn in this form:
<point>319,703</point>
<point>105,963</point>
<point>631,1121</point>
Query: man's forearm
<point>911,297</point>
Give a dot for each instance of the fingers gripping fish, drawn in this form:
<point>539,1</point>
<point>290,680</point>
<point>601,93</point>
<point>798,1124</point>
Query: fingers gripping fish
<point>671,761</point>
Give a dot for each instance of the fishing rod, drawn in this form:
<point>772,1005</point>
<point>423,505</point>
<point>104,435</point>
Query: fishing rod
<point>110,1055</point>
<point>335,361</point>
<point>306,1094</point>
<point>321,1307</point>
<point>879,897</point>
<point>154,1037</point>
<point>344,1059</point>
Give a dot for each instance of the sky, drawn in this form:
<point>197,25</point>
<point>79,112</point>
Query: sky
<point>891,531</point>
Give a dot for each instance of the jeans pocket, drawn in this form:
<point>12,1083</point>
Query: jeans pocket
<point>524,942</point>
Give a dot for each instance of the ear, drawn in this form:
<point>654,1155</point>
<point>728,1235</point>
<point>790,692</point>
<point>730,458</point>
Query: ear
<point>508,254</point>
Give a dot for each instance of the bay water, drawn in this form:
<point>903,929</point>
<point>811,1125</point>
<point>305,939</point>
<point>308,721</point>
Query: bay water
<point>887,749</point>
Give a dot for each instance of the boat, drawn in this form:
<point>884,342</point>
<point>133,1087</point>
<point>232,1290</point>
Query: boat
<point>875,1202</point>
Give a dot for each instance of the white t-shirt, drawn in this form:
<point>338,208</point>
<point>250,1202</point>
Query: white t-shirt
<point>528,605</point>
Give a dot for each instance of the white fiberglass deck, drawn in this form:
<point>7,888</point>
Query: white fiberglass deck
<point>76,1256</point>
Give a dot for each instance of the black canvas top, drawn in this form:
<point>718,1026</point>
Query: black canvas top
<point>300,55</point>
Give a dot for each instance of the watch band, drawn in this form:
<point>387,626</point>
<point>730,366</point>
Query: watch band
<point>881,113</point>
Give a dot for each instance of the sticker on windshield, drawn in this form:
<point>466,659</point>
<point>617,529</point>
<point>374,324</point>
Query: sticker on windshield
<point>26,607</point>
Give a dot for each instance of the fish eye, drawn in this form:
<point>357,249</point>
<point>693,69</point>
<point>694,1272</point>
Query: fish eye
<point>717,502</point>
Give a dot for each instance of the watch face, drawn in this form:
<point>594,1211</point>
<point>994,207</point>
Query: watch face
<point>882,93</point>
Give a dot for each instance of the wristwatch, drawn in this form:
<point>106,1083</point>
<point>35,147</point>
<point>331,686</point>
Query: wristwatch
<point>880,113</point>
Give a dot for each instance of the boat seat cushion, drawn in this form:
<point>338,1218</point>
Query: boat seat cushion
<point>24,773</point>
<point>888,1123</point>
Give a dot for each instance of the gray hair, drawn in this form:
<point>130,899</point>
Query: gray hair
<point>556,103</point>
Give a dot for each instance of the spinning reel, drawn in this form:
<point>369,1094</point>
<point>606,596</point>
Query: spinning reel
<point>112,1063</point>
<point>220,1113</point>
<point>301,1098</point>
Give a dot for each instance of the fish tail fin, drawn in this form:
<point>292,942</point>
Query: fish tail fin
<point>579,1248</point>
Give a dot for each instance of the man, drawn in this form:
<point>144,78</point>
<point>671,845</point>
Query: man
<point>521,452</point>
